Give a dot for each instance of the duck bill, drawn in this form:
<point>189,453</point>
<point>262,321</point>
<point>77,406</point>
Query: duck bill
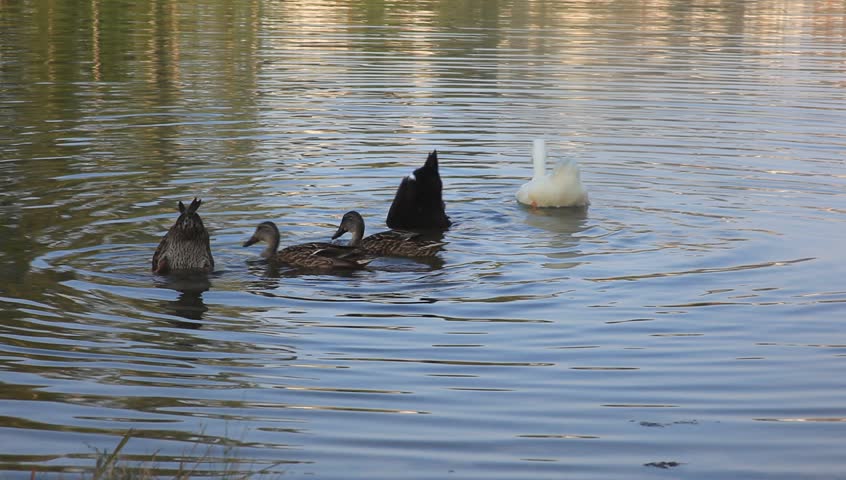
<point>341,231</point>
<point>251,241</point>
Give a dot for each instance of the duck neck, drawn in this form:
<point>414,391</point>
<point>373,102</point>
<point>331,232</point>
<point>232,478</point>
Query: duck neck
<point>355,237</point>
<point>272,245</point>
<point>539,158</point>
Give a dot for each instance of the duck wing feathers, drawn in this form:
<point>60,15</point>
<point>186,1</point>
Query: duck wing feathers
<point>323,255</point>
<point>159,265</point>
<point>400,243</point>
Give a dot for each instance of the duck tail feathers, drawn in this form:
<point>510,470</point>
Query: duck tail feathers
<point>432,161</point>
<point>195,205</point>
<point>567,166</point>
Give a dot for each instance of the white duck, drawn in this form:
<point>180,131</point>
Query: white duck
<point>562,188</point>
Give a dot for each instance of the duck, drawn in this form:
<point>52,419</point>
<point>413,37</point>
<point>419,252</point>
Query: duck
<point>561,188</point>
<point>387,243</point>
<point>418,203</point>
<point>315,255</point>
<point>185,246</point>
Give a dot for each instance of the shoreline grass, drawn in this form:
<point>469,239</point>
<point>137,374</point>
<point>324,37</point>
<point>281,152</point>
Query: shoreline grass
<point>112,464</point>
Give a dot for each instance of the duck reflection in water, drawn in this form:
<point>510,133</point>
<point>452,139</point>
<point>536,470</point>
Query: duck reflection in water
<point>561,244</point>
<point>189,304</point>
<point>569,221</point>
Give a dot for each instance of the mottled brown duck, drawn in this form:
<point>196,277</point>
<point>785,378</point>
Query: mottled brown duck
<point>185,247</point>
<point>388,243</point>
<point>316,255</point>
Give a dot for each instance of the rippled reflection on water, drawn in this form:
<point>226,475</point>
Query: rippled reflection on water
<point>689,320</point>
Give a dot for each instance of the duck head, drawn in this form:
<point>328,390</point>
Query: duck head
<point>265,232</point>
<point>351,222</point>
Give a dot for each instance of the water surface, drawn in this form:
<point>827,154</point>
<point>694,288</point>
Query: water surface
<point>693,314</point>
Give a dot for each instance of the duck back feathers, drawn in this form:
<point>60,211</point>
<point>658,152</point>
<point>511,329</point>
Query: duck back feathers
<point>322,255</point>
<point>402,244</point>
<point>418,203</point>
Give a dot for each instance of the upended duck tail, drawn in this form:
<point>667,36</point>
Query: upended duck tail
<point>539,157</point>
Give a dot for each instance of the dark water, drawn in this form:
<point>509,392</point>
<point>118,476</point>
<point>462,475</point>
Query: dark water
<point>694,314</point>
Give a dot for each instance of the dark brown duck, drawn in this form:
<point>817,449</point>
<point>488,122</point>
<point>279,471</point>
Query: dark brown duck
<point>419,203</point>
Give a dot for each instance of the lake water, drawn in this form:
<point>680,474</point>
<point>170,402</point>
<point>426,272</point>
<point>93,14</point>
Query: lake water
<point>693,318</point>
